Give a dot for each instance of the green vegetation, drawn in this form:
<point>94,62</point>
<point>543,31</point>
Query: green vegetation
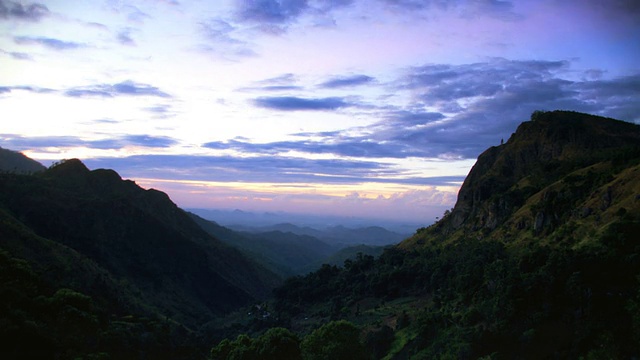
<point>98,266</point>
<point>540,258</point>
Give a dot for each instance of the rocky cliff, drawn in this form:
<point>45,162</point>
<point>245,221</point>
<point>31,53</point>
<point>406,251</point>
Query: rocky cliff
<point>557,167</point>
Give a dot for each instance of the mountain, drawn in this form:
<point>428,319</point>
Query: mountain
<point>539,258</point>
<point>284,253</point>
<point>339,236</point>
<point>348,253</point>
<point>289,250</point>
<point>559,171</point>
<point>15,162</point>
<point>266,221</point>
<point>127,250</point>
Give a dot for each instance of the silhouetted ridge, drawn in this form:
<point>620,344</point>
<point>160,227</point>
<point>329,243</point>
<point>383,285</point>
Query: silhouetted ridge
<point>18,163</point>
<point>139,235</point>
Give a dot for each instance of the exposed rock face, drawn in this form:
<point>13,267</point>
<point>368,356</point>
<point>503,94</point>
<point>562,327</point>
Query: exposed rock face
<point>539,153</point>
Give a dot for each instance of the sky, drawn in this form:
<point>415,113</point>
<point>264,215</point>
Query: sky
<point>364,108</point>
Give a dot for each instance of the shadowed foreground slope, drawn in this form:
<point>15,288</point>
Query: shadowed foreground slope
<point>125,250</point>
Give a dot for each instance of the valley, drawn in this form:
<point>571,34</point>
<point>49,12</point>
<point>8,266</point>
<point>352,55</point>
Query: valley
<point>539,258</point>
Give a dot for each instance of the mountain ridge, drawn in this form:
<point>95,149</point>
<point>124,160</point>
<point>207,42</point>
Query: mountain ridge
<point>581,150</point>
<point>138,234</point>
<point>539,258</point>
<point>16,162</point>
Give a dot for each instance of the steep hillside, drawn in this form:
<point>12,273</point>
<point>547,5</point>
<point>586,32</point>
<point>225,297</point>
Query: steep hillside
<point>339,236</point>
<point>138,236</point>
<point>18,163</point>
<point>559,171</point>
<point>284,253</point>
<point>538,259</point>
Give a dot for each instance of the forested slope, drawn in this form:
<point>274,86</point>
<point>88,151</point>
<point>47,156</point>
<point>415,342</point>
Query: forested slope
<point>126,251</point>
<point>540,257</point>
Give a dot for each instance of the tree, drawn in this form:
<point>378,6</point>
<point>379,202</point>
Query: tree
<point>277,344</point>
<point>336,340</point>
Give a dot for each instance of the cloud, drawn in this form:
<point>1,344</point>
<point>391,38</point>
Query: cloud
<point>124,37</point>
<point>275,16</point>
<point>21,143</point>
<point>223,39</point>
<point>105,121</point>
<point>265,169</point>
<point>251,169</point>
<point>485,102</point>
<point>347,81</point>
<point>284,82</point>
<point>271,11</point>
<point>28,88</point>
<point>291,103</point>
<point>125,88</point>
<point>132,13</point>
<point>162,109</point>
<point>284,79</point>
<point>466,9</point>
<point>362,147</point>
<point>455,111</point>
<point>50,43</point>
<point>17,55</point>
<point>618,98</point>
<point>15,10</point>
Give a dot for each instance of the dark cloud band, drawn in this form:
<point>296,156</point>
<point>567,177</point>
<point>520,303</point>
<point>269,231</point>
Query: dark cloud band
<point>51,43</point>
<point>291,103</point>
<point>15,10</point>
<point>125,88</point>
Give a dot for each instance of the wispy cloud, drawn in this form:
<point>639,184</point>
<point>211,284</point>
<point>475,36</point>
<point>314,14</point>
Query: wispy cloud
<point>292,103</point>
<point>266,169</point>
<point>22,143</point>
<point>275,16</point>
<point>347,81</point>
<point>124,37</point>
<point>273,12</point>
<point>493,8</point>
<point>125,88</point>
<point>284,82</point>
<point>17,55</point>
<point>19,11</point>
<point>478,104</point>
<point>222,38</point>
<point>34,89</point>
<point>51,43</point>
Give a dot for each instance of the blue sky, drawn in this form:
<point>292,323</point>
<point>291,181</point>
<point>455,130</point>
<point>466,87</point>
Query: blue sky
<point>373,108</point>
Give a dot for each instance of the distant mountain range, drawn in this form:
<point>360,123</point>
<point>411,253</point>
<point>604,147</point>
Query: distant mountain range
<point>539,258</point>
<point>248,220</point>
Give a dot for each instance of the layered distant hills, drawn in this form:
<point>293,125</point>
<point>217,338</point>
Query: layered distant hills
<point>539,258</point>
